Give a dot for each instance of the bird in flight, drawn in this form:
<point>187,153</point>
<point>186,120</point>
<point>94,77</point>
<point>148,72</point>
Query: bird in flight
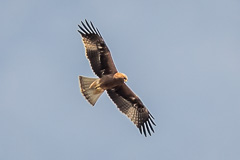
<point>110,80</point>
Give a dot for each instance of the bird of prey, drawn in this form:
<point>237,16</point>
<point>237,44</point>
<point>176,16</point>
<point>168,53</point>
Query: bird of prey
<point>110,80</point>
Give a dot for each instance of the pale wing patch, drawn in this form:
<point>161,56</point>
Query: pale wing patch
<point>89,46</point>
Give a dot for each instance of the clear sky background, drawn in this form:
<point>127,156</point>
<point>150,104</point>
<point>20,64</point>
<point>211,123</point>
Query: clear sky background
<point>182,58</point>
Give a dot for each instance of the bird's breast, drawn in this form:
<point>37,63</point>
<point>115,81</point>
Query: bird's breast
<point>108,82</point>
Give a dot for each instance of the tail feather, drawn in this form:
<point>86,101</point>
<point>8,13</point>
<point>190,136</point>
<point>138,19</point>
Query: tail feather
<point>90,93</point>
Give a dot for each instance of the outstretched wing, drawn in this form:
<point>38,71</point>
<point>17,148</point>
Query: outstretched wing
<point>129,104</point>
<point>97,51</point>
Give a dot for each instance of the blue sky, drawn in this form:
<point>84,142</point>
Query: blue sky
<point>182,59</point>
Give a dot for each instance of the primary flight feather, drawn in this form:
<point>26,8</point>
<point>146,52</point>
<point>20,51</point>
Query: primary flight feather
<point>110,80</point>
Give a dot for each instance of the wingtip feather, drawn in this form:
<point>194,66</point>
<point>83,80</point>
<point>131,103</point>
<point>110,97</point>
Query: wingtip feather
<point>87,28</point>
<point>140,129</point>
<point>150,126</point>
<point>144,130</point>
<point>147,128</point>
<point>152,121</point>
<point>80,32</point>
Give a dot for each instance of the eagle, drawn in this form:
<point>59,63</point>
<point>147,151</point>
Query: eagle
<point>110,80</point>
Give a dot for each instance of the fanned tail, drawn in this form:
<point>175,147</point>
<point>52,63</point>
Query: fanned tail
<point>88,89</point>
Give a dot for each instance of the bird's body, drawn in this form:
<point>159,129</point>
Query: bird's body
<point>94,87</point>
<point>110,80</point>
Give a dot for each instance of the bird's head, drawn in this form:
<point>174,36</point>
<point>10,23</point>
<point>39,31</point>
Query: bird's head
<point>120,76</point>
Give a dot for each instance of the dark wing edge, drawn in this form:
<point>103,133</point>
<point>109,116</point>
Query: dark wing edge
<point>88,29</point>
<point>130,105</point>
<point>96,50</point>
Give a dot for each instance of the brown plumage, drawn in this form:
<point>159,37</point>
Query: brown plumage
<point>110,80</point>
